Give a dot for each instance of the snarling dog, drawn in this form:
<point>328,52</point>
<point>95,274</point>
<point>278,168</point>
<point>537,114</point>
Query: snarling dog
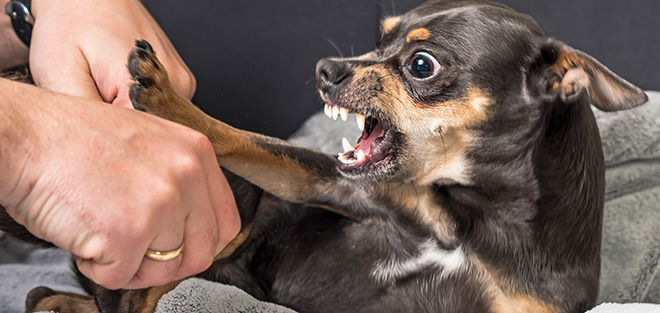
<point>476,186</point>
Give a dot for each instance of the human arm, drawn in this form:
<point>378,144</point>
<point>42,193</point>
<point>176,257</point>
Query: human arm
<point>67,177</point>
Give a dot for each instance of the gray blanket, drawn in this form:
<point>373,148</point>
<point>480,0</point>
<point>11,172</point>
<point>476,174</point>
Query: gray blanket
<point>631,240</point>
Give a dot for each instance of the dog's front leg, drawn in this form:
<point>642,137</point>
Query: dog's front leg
<point>292,173</point>
<point>44,299</point>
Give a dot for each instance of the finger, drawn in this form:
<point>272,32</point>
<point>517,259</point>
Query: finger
<point>205,234</point>
<point>222,223</point>
<point>110,267</point>
<point>200,241</point>
<point>197,232</point>
<point>224,206</point>
<point>154,272</point>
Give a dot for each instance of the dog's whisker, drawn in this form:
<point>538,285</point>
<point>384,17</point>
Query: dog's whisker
<point>444,148</point>
<point>397,186</point>
<point>384,11</point>
<point>310,80</point>
<point>335,46</point>
<point>369,15</point>
<point>416,195</point>
<point>391,96</point>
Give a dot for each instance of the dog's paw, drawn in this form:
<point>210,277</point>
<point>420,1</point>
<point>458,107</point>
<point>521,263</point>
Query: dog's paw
<point>149,76</point>
<point>44,299</point>
<point>35,296</point>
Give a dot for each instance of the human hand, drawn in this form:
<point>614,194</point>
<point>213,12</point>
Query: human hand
<point>80,48</point>
<point>66,179</point>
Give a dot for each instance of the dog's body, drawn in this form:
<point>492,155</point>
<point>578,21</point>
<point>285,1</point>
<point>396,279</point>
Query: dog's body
<point>477,185</point>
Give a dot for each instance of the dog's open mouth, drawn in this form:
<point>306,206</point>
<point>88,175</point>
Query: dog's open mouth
<point>374,148</point>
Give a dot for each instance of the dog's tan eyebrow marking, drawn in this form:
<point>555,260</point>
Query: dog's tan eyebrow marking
<point>418,35</point>
<point>390,23</point>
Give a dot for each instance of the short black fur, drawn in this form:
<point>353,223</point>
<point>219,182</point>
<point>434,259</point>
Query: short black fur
<point>513,225</point>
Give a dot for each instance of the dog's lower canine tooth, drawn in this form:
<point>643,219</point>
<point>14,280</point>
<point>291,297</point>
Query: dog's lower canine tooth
<point>360,121</point>
<point>335,112</point>
<point>347,145</point>
<point>344,114</point>
<point>360,156</point>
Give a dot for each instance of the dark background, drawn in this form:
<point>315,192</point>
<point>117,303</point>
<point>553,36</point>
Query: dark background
<point>254,59</point>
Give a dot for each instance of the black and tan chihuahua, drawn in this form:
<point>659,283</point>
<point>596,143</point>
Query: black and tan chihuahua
<point>476,186</point>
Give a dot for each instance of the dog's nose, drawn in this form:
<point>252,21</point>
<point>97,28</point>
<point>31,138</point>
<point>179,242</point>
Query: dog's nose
<point>330,74</point>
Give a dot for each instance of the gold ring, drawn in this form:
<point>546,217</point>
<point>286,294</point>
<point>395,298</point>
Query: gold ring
<point>164,255</point>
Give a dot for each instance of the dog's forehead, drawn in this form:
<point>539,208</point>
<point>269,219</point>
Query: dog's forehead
<point>434,19</point>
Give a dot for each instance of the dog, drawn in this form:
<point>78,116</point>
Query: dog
<point>476,186</point>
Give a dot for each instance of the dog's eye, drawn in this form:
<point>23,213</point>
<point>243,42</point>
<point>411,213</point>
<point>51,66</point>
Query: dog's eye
<point>379,43</point>
<point>423,65</point>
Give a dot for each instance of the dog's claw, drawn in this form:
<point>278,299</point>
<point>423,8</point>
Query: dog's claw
<point>141,43</point>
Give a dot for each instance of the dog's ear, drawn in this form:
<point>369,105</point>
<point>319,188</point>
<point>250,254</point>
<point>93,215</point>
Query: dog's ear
<point>579,72</point>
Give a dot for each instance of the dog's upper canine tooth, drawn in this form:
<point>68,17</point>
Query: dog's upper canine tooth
<point>360,121</point>
<point>335,112</point>
<point>344,114</point>
<point>327,110</point>
<point>360,155</point>
<point>347,145</point>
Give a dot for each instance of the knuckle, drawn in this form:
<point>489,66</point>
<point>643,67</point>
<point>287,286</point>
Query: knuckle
<point>201,141</point>
<point>188,164</point>
<point>164,191</point>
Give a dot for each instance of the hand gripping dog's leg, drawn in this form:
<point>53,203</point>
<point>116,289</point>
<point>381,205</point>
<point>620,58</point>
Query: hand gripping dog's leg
<point>292,173</point>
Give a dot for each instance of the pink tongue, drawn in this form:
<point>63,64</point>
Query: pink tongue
<point>365,145</point>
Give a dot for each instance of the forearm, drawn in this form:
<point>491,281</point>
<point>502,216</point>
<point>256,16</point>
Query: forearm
<point>14,52</point>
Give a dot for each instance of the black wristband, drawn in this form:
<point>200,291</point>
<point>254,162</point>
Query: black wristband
<point>21,19</point>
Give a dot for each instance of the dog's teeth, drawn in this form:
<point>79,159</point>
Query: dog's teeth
<point>360,156</point>
<point>327,110</point>
<point>360,121</point>
<point>335,112</point>
<point>347,145</point>
<point>344,160</point>
<point>344,114</point>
